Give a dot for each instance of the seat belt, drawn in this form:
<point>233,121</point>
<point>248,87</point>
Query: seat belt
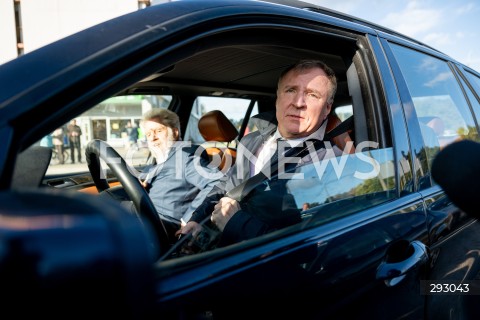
<point>244,188</point>
<point>343,127</point>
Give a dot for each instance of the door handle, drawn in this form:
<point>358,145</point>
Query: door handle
<point>393,270</point>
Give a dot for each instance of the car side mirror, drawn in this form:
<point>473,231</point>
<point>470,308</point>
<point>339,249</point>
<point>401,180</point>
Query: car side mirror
<point>75,252</point>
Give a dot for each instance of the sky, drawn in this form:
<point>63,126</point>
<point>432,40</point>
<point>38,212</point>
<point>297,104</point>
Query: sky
<point>450,26</point>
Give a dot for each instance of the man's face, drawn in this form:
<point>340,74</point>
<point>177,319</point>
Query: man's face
<point>159,138</point>
<point>302,102</point>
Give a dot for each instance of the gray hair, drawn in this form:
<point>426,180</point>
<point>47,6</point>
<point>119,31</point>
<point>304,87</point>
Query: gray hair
<point>163,116</point>
<point>304,65</point>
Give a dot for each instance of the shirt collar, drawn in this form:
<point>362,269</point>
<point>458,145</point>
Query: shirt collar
<point>317,135</point>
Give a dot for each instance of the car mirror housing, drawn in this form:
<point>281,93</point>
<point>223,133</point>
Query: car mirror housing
<point>87,256</point>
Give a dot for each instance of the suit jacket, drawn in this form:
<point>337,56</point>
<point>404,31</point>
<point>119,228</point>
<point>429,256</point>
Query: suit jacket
<point>244,224</point>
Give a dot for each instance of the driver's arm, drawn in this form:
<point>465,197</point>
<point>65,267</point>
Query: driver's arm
<point>264,211</point>
<point>242,226</point>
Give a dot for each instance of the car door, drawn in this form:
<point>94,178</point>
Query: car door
<point>361,246</point>
<point>430,91</point>
<point>370,260</point>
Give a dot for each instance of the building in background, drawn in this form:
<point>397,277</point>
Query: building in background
<point>108,120</point>
<point>30,24</point>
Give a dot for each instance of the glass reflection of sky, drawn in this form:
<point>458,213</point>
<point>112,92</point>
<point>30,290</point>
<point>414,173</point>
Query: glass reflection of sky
<point>321,181</point>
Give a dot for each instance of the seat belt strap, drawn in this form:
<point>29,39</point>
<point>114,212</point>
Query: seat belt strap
<point>244,188</point>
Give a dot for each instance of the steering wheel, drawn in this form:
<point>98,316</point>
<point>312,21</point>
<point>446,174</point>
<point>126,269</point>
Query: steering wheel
<point>98,149</point>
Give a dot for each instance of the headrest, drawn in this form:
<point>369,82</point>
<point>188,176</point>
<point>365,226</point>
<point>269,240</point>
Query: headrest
<point>214,126</point>
<point>332,121</point>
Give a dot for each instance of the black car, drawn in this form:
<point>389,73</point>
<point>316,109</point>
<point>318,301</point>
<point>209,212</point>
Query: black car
<point>378,238</point>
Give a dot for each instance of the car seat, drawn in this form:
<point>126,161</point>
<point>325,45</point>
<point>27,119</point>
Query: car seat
<point>216,129</point>
<point>30,167</point>
<point>341,140</point>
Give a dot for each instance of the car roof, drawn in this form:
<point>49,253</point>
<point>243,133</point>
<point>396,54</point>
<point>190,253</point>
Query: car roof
<point>40,75</point>
<point>95,39</point>
<point>135,29</point>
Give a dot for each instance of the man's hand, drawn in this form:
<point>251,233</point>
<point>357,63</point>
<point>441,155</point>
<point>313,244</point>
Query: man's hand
<point>224,211</point>
<point>191,227</point>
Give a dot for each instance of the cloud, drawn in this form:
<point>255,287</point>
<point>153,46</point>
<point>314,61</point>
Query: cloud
<point>442,77</point>
<point>414,19</point>
<point>459,35</point>
<point>472,60</point>
<point>450,26</point>
<point>467,8</point>
<point>437,39</point>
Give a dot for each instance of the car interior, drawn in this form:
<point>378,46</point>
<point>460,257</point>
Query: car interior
<point>239,66</point>
<point>214,126</point>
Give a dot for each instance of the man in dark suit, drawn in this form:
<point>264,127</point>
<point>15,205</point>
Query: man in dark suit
<point>74,132</point>
<point>305,96</point>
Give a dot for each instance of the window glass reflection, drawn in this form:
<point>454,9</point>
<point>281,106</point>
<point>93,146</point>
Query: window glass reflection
<point>441,107</point>
<point>329,189</point>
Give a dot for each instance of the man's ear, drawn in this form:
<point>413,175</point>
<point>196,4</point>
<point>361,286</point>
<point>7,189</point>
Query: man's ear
<point>329,109</point>
<point>175,133</point>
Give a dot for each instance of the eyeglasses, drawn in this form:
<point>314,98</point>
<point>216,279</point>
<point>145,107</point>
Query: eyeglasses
<point>154,132</point>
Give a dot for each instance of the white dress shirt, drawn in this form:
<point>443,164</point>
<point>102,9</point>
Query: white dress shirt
<point>269,148</point>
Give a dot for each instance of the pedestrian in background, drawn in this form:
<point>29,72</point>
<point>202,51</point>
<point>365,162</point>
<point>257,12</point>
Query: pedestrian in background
<point>57,140</point>
<point>74,133</point>
<point>132,135</point>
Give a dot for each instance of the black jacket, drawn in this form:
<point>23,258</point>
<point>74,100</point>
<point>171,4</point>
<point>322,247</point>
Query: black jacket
<point>264,209</point>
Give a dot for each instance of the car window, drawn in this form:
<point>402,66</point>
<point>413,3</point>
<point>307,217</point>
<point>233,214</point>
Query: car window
<point>315,193</point>
<point>344,112</point>
<point>442,111</point>
<point>335,187</point>
<point>234,109</point>
<point>107,121</point>
<point>475,82</point>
